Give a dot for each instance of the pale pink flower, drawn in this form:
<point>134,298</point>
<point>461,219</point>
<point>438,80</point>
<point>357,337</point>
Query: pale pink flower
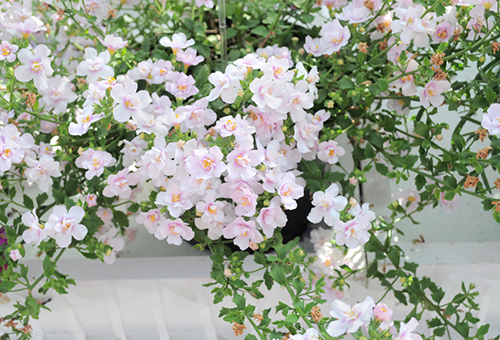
<point>27,26</point>
<point>241,163</point>
<point>226,84</point>
<point>58,94</point>
<point>10,153</point>
<point>161,70</point>
<point>118,185</point>
<point>382,312</point>
<point>272,217</point>
<point>330,151</point>
<point>132,150</point>
<point>94,66</point>
<point>174,231</point>
<point>36,232</point>
<point>41,171</point>
<point>113,43</point>
<point>130,102</point>
<point>246,201</point>
<point>362,212</point>
<point>443,32</point>
<point>405,331</point>
<point>8,51</point>
<point>211,209</point>
<point>327,206</point>
<point>334,36</point>
<point>349,320</point>
<point>91,200</point>
<point>205,164</point>
<point>298,100</point>
<point>92,95</point>
<point>176,199</point>
<point>289,190</point>
<point>35,66</point>
<point>243,233</point>
<point>116,242</point>
<point>151,220</point>
<point>411,25</point>
<point>407,82</point>
<point>197,116</point>
<point>352,233</point>
<point>15,255</point>
<point>235,126</point>
<point>306,135</point>
<point>432,93</point>
<point>64,225</point>
<point>189,57</point>
<point>276,69</point>
<point>267,92</point>
<point>267,125</point>
<point>179,41</point>
<point>83,123</point>
<point>159,160</point>
<point>314,47</point>
<point>491,119</point>
<point>94,161</point>
<point>181,86</point>
<point>143,70</point>
<point>355,12</point>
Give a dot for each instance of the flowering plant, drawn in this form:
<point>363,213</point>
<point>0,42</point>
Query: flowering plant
<point>118,110</point>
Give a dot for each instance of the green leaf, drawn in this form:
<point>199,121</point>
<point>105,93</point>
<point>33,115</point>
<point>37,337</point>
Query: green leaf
<point>383,84</point>
<point>411,266</point>
<point>482,330</point>
<point>260,31</point>
<point>7,285</point>
<point>268,280</point>
<point>420,181</point>
<point>240,301</point>
<point>278,274</point>
<point>28,202</point>
<point>41,199</point>
<point>250,337</point>
<point>381,168</point>
<point>409,161</point>
<point>369,152</point>
<point>439,331</point>
<point>49,267</point>
<point>292,318</point>
<point>120,218</point>
<point>260,258</point>
<point>394,256</point>
<point>421,129</point>
<point>440,9</point>
<point>346,83</point>
<point>307,18</point>
<point>490,95</point>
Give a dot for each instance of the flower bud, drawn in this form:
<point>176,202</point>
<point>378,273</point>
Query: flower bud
<point>382,312</point>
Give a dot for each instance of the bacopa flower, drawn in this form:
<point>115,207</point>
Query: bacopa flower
<point>333,37</point>
<point>119,185</point>
<point>35,66</point>
<point>91,200</point>
<point>113,43</point>
<point>94,66</point>
<point>310,334</point>
<point>406,331</point>
<point>8,51</point>
<point>58,94</point>
<point>41,171</point>
<point>327,206</point>
<point>151,220</point>
<point>130,102</point>
<point>432,93</point>
<point>15,254</point>
<point>174,231</point>
<point>330,151</point>
<point>243,233</point>
<point>116,242</point>
<point>491,120</point>
<point>94,161</point>
<point>272,217</point>
<point>64,225</point>
<point>352,233</point>
<point>349,320</point>
<point>36,232</point>
<point>181,86</point>
<point>179,41</point>
<point>382,312</point>
<point>83,123</point>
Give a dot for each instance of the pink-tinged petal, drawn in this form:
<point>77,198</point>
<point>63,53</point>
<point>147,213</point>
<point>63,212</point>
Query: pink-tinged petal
<point>62,240</point>
<point>23,73</point>
<point>121,113</point>
<point>79,232</point>
<point>76,213</point>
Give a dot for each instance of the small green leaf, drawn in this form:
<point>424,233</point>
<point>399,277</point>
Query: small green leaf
<point>346,83</point>
<point>490,95</point>
<point>28,202</point>
<point>260,31</point>
<point>383,84</point>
